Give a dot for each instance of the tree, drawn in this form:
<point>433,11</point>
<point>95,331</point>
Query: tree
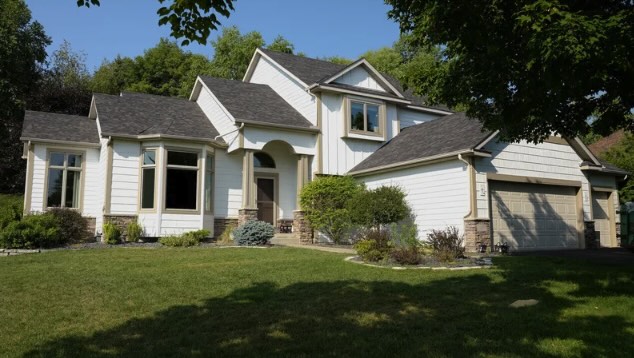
<point>192,20</point>
<point>337,59</point>
<point>112,77</point>
<point>280,44</point>
<point>387,60</point>
<point>65,85</point>
<point>622,155</point>
<point>233,52</point>
<point>22,53</point>
<point>528,68</point>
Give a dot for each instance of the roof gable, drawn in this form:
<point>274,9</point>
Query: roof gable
<point>362,74</point>
<point>59,127</point>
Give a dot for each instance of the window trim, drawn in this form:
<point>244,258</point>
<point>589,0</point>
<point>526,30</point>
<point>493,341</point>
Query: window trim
<point>157,166</point>
<point>198,210</point>
<point>212,172</point>
<point>364,134</point>
<point>81,170</point>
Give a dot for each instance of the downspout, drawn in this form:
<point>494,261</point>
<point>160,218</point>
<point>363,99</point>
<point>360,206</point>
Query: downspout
<point>472,186</point>
<point>235,130</point>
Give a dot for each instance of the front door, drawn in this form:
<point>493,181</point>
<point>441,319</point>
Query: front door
<point>266,200</point>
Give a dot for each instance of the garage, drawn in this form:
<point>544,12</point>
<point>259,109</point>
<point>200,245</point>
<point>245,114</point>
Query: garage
<point>534,216</point>
<point>602,223</point>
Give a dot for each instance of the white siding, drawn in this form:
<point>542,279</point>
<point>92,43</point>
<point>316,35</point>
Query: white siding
<point>409,117</point>
<point>149,221</point>
<point>176,224</point>
<point>437,193</point>
<point>93,185</point>
<point>342,154</point>
<point>228,184</point>
<point>39,176</point>
<point>125,177</point>
<point>359,77</point>
<point>218,117</point>
<point>292,91</point>
<point>302,142</point>
<point>545,160</point>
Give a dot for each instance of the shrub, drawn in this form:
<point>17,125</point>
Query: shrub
<point>375,246</point>
<point>406,255</point>
<point>111,234</point>
<point>134,232</point>
<point>10,209</point>
<point>325,203</point>
<point>226,237</point>
<point>406,249</point>
<point>179,241</point>
<point>446,244</point>
<point>198,235</point>
<point>253,233</point>
<point>72,225</point>
<point>381,206</point>
<point>33,231</point>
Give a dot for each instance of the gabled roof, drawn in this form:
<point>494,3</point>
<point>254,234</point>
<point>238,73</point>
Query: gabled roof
<point>59,127</point>
<point>605,143</point>
<point>255,103</point>
<point>308,70</point>
<point>137,114</point>
<point>443,136</point>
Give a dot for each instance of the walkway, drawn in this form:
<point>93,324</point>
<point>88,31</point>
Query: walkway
<point>289,241</point>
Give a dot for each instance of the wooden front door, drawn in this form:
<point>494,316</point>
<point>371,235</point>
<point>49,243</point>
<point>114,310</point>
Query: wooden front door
<point>266,200</point>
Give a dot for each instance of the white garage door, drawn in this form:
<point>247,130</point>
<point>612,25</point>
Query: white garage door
<point>534,216</point>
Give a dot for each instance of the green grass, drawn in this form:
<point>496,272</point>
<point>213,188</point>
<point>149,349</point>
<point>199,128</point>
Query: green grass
<point>296,302</point>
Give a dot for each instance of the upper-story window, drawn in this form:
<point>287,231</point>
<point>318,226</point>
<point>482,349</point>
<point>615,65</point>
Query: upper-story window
<point>63,186</point>
<point>365,118</point>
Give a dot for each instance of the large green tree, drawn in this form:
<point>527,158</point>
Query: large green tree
<point>528,67</point>
<point>622,155</point>
<point>22,53</point>
<point>192,20</point>
<point>233,52</point>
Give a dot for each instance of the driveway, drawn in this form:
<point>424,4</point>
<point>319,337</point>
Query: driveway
<point>605,255</point>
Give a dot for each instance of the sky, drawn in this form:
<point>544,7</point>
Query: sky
<point>320,28</point>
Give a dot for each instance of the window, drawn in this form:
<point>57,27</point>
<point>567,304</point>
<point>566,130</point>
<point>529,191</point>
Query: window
<point>181,181</point>
<point>148,175</point>
<point>63,186</point>
<point>365,117</point>
<point>263,160</point>
<point>209,172</point>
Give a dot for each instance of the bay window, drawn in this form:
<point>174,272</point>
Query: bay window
<point>63,185</point>
<point>181,182</point>
<point>148,179</point>
<point>209,173</point>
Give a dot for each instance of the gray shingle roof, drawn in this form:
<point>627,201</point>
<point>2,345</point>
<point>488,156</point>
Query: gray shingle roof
<point>63,127</point>
<point>307,69</point>
<point>145,114</point>
<point>254,102</point>
<point>444,135</point>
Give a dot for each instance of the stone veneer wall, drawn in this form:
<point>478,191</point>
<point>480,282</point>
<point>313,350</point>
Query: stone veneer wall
<point>475,231</point>
<point>220,224</point>
<point>245,215</point>
<point>301,228</point>
<point>120,221</point>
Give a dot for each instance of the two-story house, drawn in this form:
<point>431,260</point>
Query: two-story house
<point>237,150</point>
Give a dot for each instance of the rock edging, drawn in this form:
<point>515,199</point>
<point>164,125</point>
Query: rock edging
<point>460,268</point>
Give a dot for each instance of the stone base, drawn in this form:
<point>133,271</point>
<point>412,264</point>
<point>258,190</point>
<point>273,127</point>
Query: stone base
<point>120,221</point>
<point>245,215</point>
<point>220,224</point>
<point>477,231</point>
<point>91,228</point>
<point>590,235</point>
<point>301,228</point>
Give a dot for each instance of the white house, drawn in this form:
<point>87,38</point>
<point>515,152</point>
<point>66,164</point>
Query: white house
<point>237,150</point>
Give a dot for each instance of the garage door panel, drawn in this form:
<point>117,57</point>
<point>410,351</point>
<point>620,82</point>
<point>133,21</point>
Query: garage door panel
<point>534,217</point>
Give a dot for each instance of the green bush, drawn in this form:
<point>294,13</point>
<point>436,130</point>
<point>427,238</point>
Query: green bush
<point>375,246</point>
<point>446,244</point>
<point>134,232</point>
<point>407,248</point>
<point>10,209</point>
<point>111,234</point>
<point>72,225</point>
<point>253,233</point>
<point>325,203</point>
<point>198,235</point>
<point>33,231</point>
<point>179,241</point>
<point>226,237</point>
<point>380,206</point>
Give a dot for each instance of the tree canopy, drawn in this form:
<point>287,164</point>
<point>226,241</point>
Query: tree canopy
<point>527,67</point>
<point>22,54</point>
<point>192,20</point>
<point>622,155</point>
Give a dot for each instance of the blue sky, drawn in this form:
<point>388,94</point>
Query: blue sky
<point>318,28</point>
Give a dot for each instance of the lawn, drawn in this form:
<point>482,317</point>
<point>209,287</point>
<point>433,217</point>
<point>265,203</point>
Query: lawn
<point>296,302</point>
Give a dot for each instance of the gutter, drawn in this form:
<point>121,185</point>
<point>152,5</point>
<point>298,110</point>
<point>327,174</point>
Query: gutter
<point>317,87</point>
<point>165,136</point>
<point>64,142</point>
<point>235,130</point>
<point>275,125</point>
<point>419,161</point>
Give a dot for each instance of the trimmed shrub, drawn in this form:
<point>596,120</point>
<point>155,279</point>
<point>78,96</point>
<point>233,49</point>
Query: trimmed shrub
<point>199,235</point>
<point>179,241</point>
<point>33,231</point>
<point>375,246</point>
<point>446,244</point>
<point>134,232</point>
<point>381,206</point>
<point>325,203</point>
<point>111,234</point>
<point>72,226</point>
<point>253,233</point>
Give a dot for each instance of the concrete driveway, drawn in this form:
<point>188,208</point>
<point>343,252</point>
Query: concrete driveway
<point>605,255</point>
